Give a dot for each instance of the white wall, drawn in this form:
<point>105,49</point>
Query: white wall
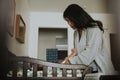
<point>55,20</point>
<point>14,46</point>
<point>91,6</point>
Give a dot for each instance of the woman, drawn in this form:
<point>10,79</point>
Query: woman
<point>89,46</point>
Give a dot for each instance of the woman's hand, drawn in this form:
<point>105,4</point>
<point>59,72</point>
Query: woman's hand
<point>66,61</point>
<point>74,53</point>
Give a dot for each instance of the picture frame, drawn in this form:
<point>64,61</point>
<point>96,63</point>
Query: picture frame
<point>20,29</point>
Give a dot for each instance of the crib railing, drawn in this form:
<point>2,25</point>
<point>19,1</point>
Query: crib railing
<point>27,64</point>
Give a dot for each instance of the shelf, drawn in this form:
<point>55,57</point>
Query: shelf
<point>62,47</point>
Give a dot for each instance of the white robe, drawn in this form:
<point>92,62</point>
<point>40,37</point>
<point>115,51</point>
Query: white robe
<point>91,48</point>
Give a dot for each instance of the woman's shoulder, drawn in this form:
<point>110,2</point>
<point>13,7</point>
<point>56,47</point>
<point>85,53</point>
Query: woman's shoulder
<point>94,29</point>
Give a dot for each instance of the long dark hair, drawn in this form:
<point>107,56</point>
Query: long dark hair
<point>80,17</point>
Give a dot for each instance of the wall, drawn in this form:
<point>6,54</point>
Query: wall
<point>91,6</point>
<point>113,8</point>
<point>14,46</point>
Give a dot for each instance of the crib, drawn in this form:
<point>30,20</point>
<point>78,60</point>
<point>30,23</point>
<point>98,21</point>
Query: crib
<point>26,68</point>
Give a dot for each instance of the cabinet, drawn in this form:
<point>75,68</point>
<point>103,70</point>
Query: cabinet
<point>52,38</point>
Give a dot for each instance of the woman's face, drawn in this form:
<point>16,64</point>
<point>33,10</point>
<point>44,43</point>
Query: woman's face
<point>71,24</point>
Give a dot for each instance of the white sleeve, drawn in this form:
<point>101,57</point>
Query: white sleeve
<point>94,41</point>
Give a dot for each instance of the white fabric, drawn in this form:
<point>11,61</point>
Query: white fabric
<point>91,48</point>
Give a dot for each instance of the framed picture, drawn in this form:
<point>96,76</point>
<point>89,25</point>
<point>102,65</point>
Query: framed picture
<point>11,17</point>
<point>20,29</point>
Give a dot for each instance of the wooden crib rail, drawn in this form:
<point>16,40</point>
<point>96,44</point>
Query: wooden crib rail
<point>34,62</point>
